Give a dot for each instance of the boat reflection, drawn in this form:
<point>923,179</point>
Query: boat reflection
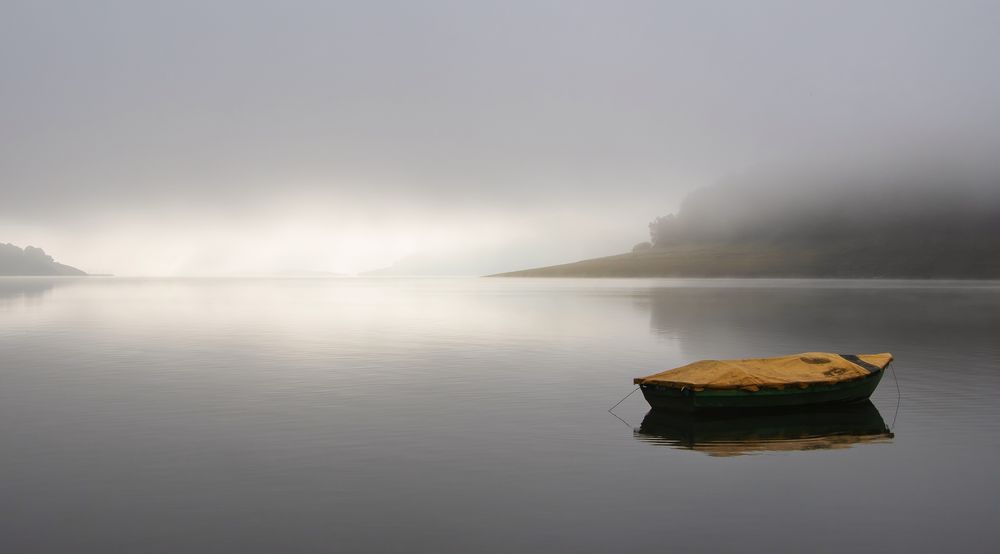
<point>740,433</point>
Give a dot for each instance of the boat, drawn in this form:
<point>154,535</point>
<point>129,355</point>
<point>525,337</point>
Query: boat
<point>727,433</point>
<point>806,379</point>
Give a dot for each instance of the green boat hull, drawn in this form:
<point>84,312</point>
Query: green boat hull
<point>688,400</point>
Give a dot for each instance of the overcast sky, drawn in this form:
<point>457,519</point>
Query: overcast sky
<point>235,136</point>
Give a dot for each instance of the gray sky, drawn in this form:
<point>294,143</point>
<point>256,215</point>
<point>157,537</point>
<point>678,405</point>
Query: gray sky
<point>235,136</point>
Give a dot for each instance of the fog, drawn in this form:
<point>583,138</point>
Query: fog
<point>184,138</point>
<point>889,201</point>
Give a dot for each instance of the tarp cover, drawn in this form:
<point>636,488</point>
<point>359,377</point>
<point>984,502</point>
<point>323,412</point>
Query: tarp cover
<point>802,370</point>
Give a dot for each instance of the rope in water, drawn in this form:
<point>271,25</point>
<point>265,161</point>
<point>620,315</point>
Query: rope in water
<point>619,402</point>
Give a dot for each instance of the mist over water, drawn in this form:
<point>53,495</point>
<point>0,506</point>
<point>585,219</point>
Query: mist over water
<point>454,137</point>
<point>430,415</point>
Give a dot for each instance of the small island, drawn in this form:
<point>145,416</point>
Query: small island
<point>931,229</point>
<point>30,261</point>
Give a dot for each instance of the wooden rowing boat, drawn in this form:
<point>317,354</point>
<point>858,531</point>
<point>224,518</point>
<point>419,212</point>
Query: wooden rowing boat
<point>803,379</point>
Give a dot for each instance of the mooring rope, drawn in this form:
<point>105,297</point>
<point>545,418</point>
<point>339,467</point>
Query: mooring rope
<point>616,405</point>
<point>622,400</point>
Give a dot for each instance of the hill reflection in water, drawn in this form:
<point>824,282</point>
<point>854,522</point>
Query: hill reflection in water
<point>740,433</point>
<point>24,289</point>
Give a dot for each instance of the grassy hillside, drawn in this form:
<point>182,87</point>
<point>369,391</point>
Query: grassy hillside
<point>763,260</point>
<point>973,261</point>
<point>870,222</point>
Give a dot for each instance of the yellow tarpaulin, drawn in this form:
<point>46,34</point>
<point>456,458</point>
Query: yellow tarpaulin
<point>809,368</point>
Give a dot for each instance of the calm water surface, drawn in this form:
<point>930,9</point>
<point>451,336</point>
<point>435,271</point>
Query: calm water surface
<point>469,415</point>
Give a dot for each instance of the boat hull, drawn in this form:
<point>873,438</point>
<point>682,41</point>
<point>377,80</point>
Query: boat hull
<point>687,400</point>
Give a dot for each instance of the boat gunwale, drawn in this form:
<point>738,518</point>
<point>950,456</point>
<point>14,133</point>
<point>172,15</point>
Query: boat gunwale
<point>793,388</point>
<point>796,386</point>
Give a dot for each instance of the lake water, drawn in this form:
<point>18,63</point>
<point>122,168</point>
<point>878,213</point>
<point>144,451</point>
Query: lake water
<point>470,415</point>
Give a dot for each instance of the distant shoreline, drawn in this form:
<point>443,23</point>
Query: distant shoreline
<point>741,261</point>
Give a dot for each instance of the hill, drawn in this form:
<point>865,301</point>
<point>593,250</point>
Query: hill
<point>31,261</point>
<point>934,226</point>
<point>768,260</point>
